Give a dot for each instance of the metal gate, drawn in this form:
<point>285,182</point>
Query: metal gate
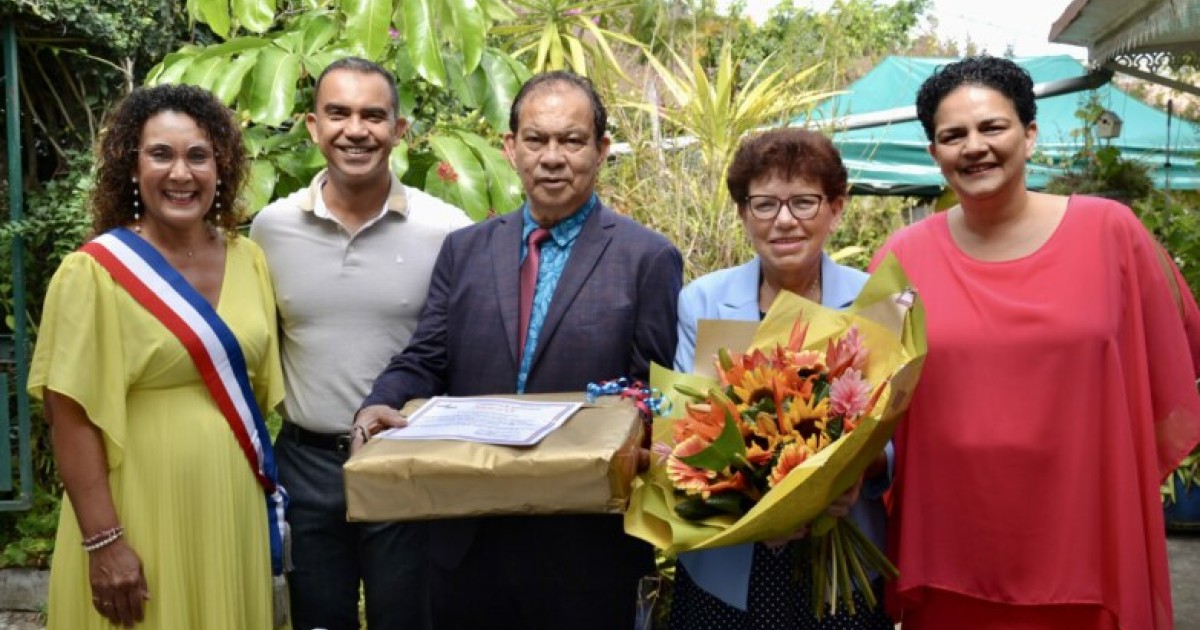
<point>16,475</point>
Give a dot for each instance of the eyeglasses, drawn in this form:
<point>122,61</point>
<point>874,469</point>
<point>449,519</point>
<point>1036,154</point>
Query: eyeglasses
<point>802,207</point>
<point>197,158</point>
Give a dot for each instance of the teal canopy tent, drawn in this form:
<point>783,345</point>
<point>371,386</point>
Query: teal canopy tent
<point>891,159</point>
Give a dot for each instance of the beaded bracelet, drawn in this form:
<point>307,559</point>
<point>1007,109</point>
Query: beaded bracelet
<point>103,539</point>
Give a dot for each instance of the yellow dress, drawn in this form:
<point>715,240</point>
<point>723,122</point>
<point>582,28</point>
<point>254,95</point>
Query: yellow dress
<point>191,508</point>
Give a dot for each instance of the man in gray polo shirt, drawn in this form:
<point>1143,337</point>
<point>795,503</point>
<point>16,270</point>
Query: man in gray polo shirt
<point>350,257</point>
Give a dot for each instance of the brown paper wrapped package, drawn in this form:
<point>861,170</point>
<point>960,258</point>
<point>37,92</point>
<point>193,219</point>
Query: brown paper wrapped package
<point>585,466</point>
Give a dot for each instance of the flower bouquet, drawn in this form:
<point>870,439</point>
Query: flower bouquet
<point>784,429</point>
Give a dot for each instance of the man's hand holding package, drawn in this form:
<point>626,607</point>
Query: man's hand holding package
<point>371,420</point>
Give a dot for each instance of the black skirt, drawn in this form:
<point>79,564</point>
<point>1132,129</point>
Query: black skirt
<point>776,601</point>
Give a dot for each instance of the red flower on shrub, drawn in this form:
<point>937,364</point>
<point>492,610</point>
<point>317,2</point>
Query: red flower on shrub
<point>446,173</point>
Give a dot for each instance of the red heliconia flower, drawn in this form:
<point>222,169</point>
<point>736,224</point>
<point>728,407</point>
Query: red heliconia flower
<point>848,352</point>
<point>445,172</point>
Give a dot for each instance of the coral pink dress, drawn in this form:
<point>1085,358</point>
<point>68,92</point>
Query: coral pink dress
<point>1058,392</point>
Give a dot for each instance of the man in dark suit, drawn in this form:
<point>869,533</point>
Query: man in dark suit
<point>602,306</point>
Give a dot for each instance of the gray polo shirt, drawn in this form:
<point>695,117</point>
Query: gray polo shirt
<point>347,302</point>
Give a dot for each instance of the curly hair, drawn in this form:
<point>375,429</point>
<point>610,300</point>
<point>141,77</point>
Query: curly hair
<point>117,153</point>
<point>788,153</point>
<point>996,73</point>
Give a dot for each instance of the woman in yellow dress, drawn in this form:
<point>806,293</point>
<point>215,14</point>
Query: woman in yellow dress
<point>164,524</point>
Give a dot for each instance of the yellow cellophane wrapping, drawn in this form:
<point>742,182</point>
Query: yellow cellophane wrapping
<point>585,466</point>
<point>893,332</point>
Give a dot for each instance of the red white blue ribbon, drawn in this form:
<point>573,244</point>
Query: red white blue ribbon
<point>143,272</point>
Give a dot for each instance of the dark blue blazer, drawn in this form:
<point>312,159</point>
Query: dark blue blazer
<point>612,314</point>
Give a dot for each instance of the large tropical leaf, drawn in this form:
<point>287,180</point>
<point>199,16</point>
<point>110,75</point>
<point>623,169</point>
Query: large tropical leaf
<point>421,38</point>
<point>290,40</point>
<point>398,160</point>
<point>319,31</point>
<point>232,47</point>
<point>254,15</point>
<point>172,67</point>
<point>204,73</point>
<point>504,186</point>
<point>465,176</point>
<point>271,93</point>
<point>214,13</point>
<point>459,85</point>
<point>503,84</point>
<point>315,63</point>
<point>300,164</point>
<point>259,186</point>
<point>367,24</point>
<point>233,75</point>
<point>497,10</point>
<point>296,135</point>
<point>468,32</point>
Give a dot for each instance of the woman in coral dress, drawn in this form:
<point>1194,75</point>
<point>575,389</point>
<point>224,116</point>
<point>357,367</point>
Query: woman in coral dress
<point>165,524</point>
<point>1059,389</point>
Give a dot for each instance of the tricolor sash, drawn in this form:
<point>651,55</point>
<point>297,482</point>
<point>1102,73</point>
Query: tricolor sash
<point>143,272</point>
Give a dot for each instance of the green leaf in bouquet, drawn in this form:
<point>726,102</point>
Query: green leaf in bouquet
<point>834,427</point>
<point>820,391</point>
<point>855,560</point>
<point>725,451</point>
<point>822,526</point>
<point>695,509</point>
<point>843,584</point>
<point>725,359</point>
<point>734,503</point>
<point>766,405</point>
<point>691,392</point>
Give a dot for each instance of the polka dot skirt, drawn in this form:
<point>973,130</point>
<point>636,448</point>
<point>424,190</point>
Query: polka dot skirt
<point>776,602</point>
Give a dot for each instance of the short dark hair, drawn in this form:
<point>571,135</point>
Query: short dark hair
<point>561,77</point>
<point>358,64</point>
<point>997,73</point>
<point>117,152</point>
<point>788,153</point>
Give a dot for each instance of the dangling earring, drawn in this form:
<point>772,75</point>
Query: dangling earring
<point>217,213</point>
<point>137,212</point>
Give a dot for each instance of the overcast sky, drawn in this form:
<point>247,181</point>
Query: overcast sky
<point>991,24</point>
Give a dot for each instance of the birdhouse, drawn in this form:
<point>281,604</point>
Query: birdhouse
<point>1108,125</point>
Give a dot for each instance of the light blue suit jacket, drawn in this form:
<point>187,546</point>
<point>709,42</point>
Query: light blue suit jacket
<point>733,294</point>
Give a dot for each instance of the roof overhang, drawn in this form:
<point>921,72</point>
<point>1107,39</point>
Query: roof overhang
<point>1109,28</point>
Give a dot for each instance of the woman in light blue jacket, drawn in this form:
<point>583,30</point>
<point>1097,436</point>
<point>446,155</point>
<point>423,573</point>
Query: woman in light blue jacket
<point>790,189</point>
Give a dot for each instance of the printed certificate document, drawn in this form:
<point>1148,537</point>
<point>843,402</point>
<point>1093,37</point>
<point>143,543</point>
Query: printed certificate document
<point>487,420</point>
